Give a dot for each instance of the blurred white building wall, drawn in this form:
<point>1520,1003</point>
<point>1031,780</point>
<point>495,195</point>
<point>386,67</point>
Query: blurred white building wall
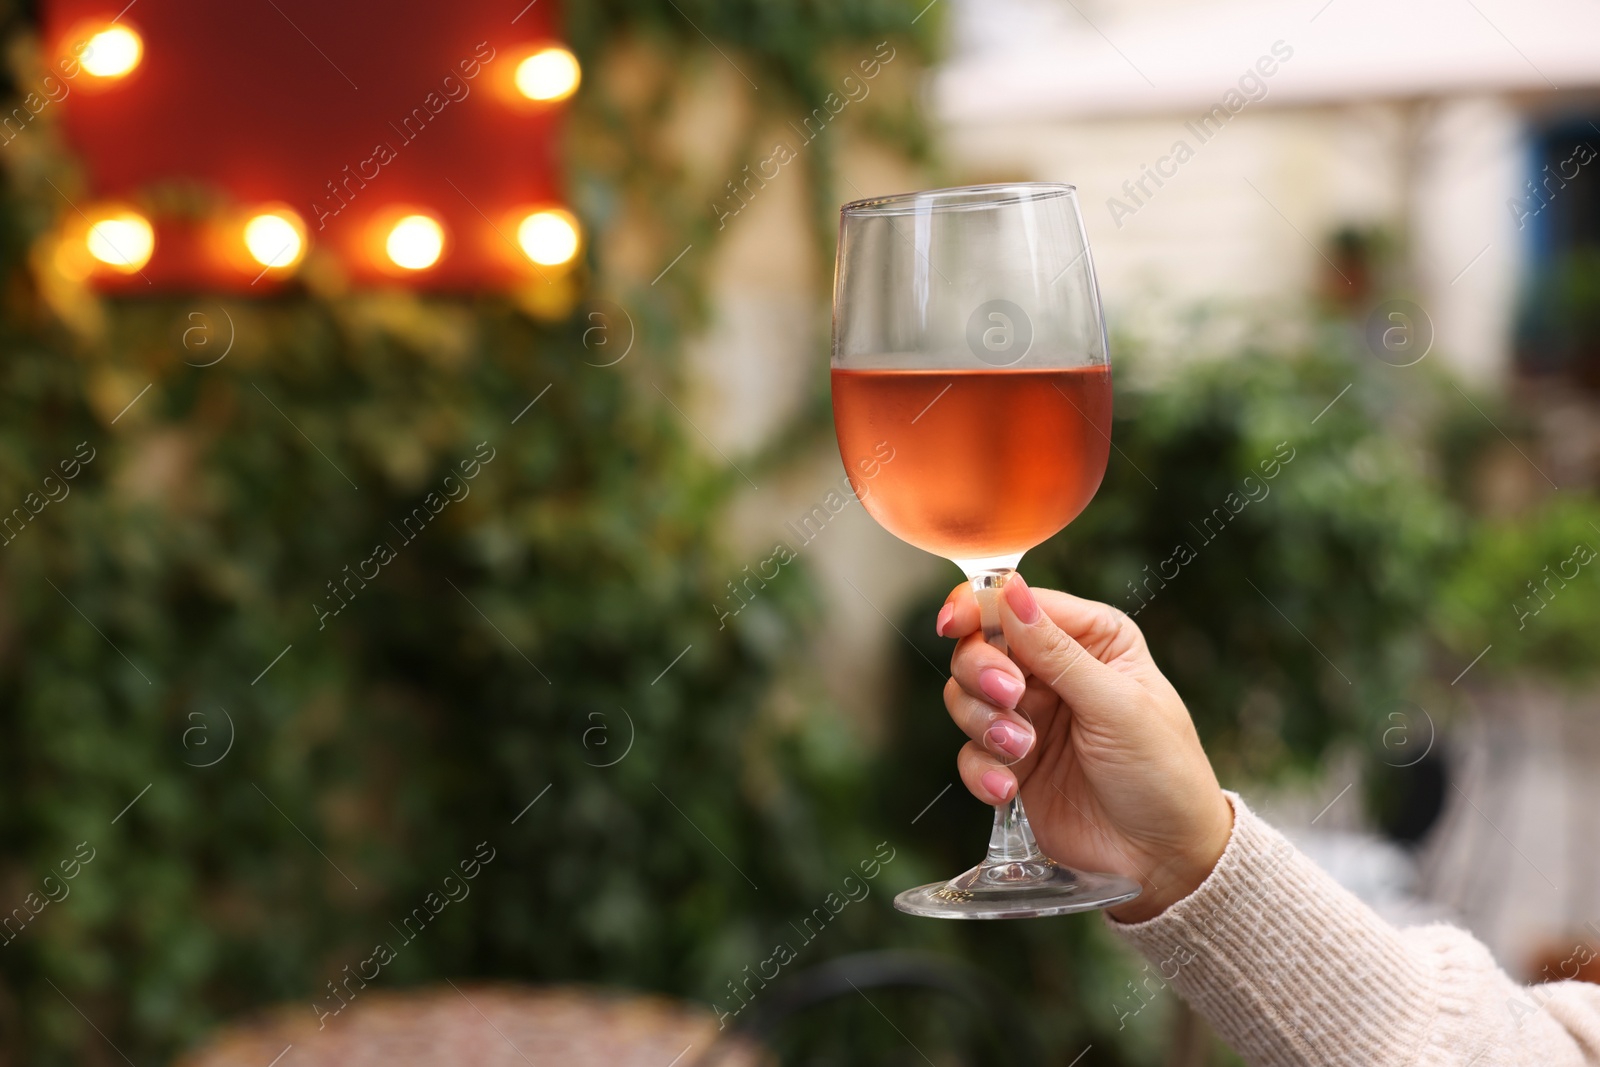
<point>1467,246</point>
<point>1406,117</point>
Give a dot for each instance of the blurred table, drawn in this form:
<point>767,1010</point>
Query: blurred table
<point>487,1026</point>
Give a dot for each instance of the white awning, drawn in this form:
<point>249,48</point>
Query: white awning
<point>1187,58</point>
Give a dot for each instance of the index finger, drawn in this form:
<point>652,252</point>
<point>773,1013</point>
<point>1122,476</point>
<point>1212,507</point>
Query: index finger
<point>1080,618</point>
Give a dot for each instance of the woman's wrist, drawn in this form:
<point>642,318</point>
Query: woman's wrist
<point>1185,871</point>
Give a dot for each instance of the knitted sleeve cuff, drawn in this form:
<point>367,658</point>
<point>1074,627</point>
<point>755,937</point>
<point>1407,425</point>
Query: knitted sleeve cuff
<point>1285,964</point>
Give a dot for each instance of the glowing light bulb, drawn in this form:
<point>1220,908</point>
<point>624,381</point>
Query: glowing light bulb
<point>549,74</point>
<point>415,242</point>
<point>549,237</point>
<point>276,239</point>
<point>122,241</point>
<point>113,52</point>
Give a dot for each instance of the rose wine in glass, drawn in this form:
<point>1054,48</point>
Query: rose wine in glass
<point>968,338</point>
<point>1039,466</point>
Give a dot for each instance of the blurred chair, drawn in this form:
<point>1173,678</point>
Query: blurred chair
<point>486,1026</point>
<point>1514,853</point>
<point>956,988</point>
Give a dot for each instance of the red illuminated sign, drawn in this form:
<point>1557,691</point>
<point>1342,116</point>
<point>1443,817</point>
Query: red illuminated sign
<point>394,141</point>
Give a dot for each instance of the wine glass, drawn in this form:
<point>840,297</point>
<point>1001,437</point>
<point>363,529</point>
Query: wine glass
<point>972,401</point>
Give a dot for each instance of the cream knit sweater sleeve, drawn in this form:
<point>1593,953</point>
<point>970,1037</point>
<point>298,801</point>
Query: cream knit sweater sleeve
<point>1289,968</point>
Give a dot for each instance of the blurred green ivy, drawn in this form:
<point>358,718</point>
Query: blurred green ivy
<point>269,789</point>
<point>1526,594</point>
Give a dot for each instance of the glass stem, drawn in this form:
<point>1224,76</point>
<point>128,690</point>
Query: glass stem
<point>1011,840</point>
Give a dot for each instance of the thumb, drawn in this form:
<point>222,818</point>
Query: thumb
<point>1055,657</point>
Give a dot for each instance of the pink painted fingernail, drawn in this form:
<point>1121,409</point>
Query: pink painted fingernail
<point>996,785</point>
<point>1008,739</point>
<point>1000,687</point>
<point>1020,597</point>
<point>946,613</point>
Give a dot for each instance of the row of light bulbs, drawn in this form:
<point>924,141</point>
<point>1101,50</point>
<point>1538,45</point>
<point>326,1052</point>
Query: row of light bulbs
<point>122,240</point>
<point>548,75</point>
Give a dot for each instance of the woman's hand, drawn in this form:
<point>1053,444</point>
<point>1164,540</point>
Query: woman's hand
<point>1111,770</point>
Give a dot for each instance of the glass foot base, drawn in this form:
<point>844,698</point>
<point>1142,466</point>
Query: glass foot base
<point>1022,889</point>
